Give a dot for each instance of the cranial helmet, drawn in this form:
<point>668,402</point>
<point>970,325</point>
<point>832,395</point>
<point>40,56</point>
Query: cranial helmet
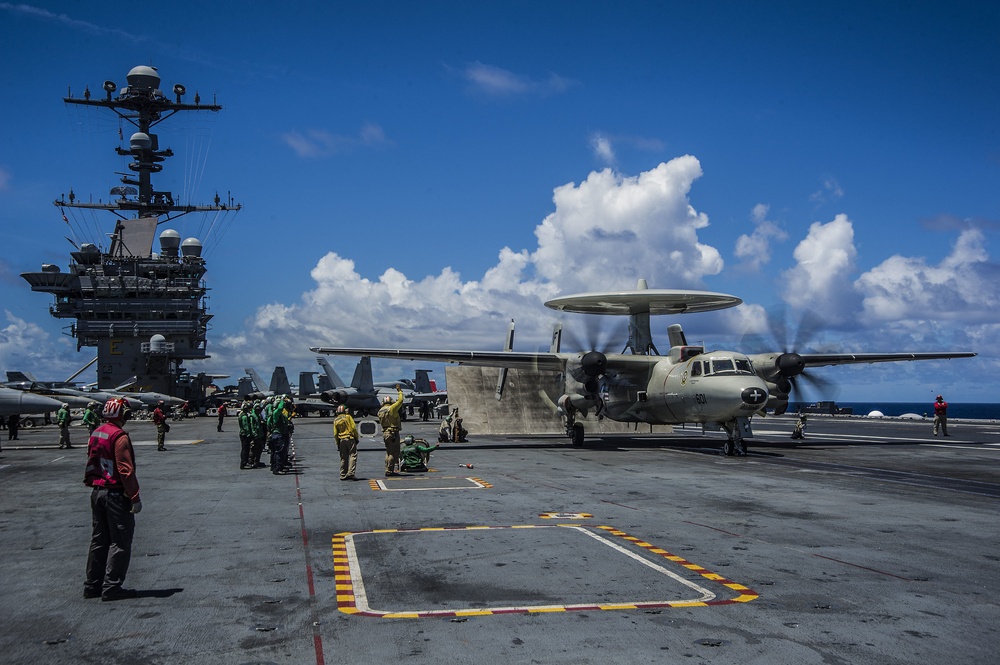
<point>341,409</point>
<point>387,400</point>
<point>116,408</point>
<point>408,439</point>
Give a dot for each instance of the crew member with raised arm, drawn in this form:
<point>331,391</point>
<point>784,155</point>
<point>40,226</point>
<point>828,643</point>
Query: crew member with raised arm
<point>388,417</point>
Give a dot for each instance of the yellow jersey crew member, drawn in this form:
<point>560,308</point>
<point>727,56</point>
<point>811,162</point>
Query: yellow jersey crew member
<point>345,431</point>
<point>388,417</point>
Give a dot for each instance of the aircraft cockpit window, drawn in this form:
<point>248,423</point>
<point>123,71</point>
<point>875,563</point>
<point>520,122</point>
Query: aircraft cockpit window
<point>696,368</point>
<point>729,366</point>
<point>723,366</point>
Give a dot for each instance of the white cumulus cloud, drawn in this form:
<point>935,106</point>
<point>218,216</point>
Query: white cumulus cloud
<point>964,286</point>
<point>604,232</point>
<point>821,277</point>
<point>754,250</point>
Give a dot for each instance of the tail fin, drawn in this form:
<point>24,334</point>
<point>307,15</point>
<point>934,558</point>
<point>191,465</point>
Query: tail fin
<point>556,338</point>
<point>508,345</point>
<point>422,384</point>
<point>334,379</point>
<point>676,335</point>
<point>244,387</point>
<point>21,377</point>
<point>258,383</point>
<point>128,383</point>
<point>279,382</point>
<point>307,386</point>
<point>362,380</point>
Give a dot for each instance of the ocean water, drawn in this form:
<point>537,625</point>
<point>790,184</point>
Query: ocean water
<point>981,411</point>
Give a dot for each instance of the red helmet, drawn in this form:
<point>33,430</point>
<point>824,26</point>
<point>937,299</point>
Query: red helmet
<point>116,408</point>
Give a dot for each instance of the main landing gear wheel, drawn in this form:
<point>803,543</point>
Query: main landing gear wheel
<point>576,434</point>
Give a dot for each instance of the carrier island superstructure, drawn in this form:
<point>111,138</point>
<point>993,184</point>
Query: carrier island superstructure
<point>145,311</point>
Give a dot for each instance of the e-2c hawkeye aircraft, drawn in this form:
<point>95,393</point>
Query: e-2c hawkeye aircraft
<point>718,389</point>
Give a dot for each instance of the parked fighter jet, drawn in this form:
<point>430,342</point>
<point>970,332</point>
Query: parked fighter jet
<point>361,397</point>
<point>14,401</point>
<point>77,397</point>
<point>276,380</point>
<point>719,389</point>
<point>423,388</point>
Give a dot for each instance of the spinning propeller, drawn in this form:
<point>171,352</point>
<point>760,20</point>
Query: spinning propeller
<point>787,366</point>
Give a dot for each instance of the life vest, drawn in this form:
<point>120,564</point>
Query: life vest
<point>102,469</point>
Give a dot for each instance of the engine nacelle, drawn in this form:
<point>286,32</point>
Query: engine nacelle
<point>571,404</point>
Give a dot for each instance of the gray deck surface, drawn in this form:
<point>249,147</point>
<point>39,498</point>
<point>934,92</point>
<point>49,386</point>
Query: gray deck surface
<point>869,542</point>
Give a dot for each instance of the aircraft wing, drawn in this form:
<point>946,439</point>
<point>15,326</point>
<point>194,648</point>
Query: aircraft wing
<point>514,359</point>
<point>821,359</point>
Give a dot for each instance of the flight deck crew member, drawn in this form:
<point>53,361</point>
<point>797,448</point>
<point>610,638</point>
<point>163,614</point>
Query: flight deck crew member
<point>444,432</point>
<point>160,420</point>
<point>90,418</point>
<point>62,419</point>
<point>114,503</point>
<point>457,431</point>
<point>258,432</point>
<point>222,415</point>
<point>800,428</point>
<point>940,416</point>
<point>280,438</point>
<point>244,418</point>
<point>13,422</point>
<point>345,431</point>
<point>388,417</point>
<point>415,454</point>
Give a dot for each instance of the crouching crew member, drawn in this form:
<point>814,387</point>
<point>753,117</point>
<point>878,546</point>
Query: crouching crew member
<point>444,432</point>
<point>415,454</point>
<point>114,502</point>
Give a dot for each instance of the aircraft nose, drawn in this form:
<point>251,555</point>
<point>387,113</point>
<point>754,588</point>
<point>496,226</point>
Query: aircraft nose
<point>754,396</point>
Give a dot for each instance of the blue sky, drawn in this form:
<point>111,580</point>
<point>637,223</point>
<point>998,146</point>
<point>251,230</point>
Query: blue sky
<point>416,174</point>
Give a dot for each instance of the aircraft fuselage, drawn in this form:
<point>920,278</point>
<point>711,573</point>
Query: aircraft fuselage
<point>712,387</point>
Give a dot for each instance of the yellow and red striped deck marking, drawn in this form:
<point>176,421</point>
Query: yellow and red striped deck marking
<point>349,585</point>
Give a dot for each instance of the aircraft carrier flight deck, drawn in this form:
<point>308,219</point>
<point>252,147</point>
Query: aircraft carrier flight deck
<point>869,541</point>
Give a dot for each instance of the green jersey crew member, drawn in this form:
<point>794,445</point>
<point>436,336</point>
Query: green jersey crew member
<point>415,454</point>
<point>63,420</point>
